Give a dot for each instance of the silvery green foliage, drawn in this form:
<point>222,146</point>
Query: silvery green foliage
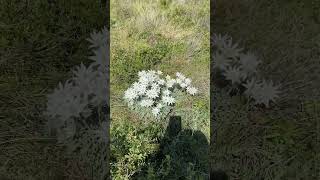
<point>240,68</point>
<point>196,119</point>
<point>263,92</point>
<point>76,109</point>
<point>154,92</point>
<point>234,75</point>
<point>87,87</point>
<point>98,39</point>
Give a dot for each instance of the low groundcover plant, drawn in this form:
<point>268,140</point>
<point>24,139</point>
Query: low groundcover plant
<point>77,109</point>
<point>154,92</point>
<point>71,101</point>
<point>240,69</point>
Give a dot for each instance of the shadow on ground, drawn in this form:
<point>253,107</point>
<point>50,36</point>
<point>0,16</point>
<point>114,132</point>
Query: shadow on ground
<point>183,154</point>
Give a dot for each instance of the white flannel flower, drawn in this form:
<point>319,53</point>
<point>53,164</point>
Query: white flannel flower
<point>192,90</point>
<point>252,87</point>
<point>151,77</point>
<point>150,87</point>
<point>144,81</point>
<point>146,102</point>
<point>142,73</point>
<point>167,92</point>
<point>220,61</point>
<point>145,77</point>
<point>183,85</point>
<point>234,75</point>
<point>159,106</point>
<point>155,86</point>
<point>83,74</point>
<point>168,100</point>
<point>130,94</point>
<point>64,103</point>
<point>135,85</point>
<point>187,81</point>
<point>98,39</point>
<point>155,111</point>
<point>225,58</point>
<point>139,88</point>
<point>171,83</point>
<point>56,99</point>
<point>130,102</point>
<point>152,72</point>
<point>267,92</point>
<point>220,41</point>
<point>231,50</point>
<point>152,93</point>
<point>100,57</point>
<point>161,82</point>
<point>87,87</point>
<point>249,63</point>
<point>180,76</point>
<point>179,81</point>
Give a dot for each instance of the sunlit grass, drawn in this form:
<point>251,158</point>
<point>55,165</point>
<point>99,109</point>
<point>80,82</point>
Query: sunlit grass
<point>159,28</point>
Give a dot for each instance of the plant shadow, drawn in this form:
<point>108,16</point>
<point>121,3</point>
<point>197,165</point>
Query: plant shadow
<point>182,154</point>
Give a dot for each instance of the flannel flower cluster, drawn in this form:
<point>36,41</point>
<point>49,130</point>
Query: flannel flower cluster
<point>71,100</point>
<point>153,91</point>
<point>240,68</point>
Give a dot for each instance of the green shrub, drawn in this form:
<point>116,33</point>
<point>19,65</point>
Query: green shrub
<point>184,156</point>
<point>130,145</point>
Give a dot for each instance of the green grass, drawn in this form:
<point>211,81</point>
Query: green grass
<point>39,43</point>
<point>280,143</point>
<point>152,35</point>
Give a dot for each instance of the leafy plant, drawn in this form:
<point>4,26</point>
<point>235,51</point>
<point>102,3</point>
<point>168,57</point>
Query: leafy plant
<point>152,91</point>
<point>130,147</point>
<point>241,70</point>
<point>77,109</point>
